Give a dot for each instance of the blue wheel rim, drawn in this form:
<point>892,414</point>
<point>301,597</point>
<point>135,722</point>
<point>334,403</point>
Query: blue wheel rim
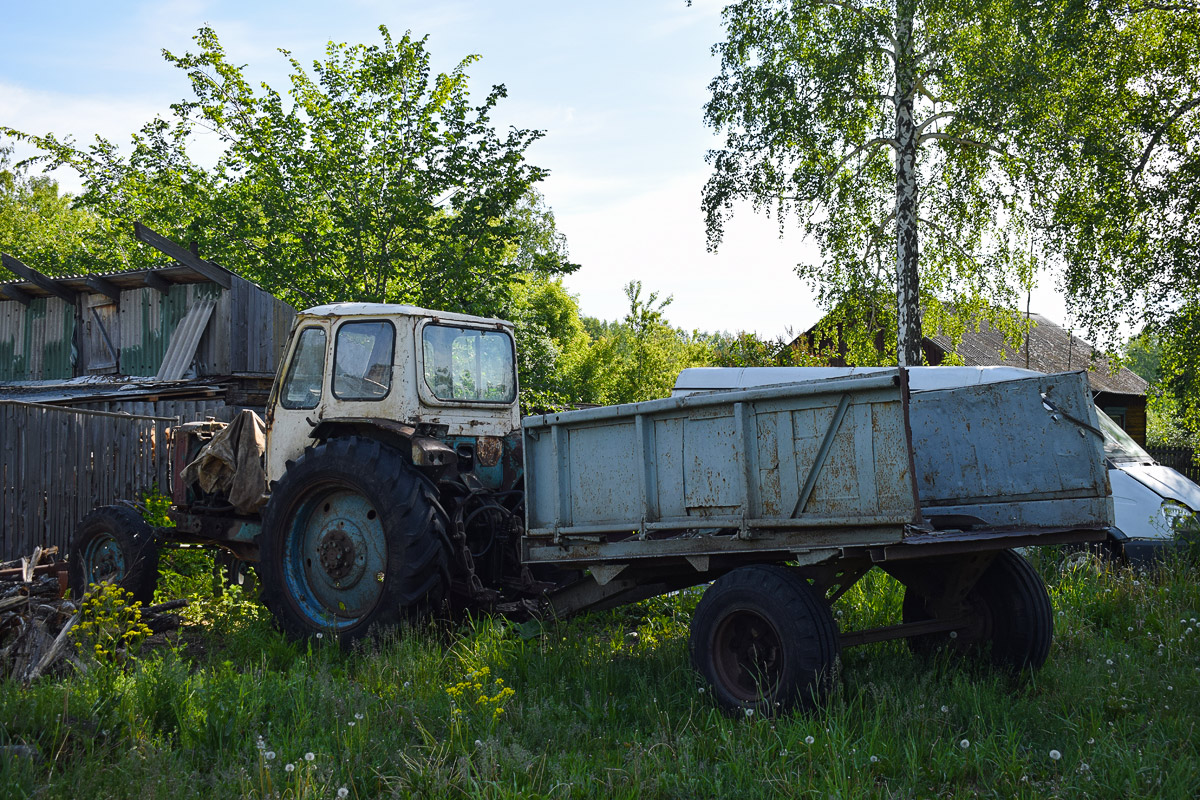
<point>335,558</point>
<point>103,560</point>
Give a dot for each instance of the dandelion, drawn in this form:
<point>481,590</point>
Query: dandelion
<point>1108,661</point>
<point>944,709</point>
<point>1170,688</point>
<point>809,740</point>
<point>322,636</point>
<point>874,759</point>
<point>358,715</point>
<point>701,690</point>
<point>289,767</point>
<point>1130,629</point>
<point>309,756</point>
<point>1055,755</point>
<point>343,793</point>
<point>1084,767</point>
<point>964,744</point>
<point>479,743</point>
<point>749,712</point>
<point>350,723</point>
<point>1091,740</point>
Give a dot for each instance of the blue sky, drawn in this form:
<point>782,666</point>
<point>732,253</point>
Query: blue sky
<point>618,87</point>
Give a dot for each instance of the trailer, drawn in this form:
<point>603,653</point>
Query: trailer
<point>395,481</point>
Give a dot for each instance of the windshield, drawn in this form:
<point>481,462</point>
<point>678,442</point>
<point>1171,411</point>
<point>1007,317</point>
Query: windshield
<point>469,364</point>
<point>1119,445</point>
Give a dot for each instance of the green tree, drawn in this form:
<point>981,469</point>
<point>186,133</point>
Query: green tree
<point>38,224</point>
<point>966,123</point>
<point>371,179</point>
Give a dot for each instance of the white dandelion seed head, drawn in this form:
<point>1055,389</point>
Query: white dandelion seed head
<point>1170,688</point>
<point>1091,741</point>
<point>1108,661</point>
<point>944,709</point>
<point>1055,755</point>
<point>809,740</point>
<point>479,743</point>
<point>343,793</point>
<point>358,715</point>
<point>1130,629</point>
<point>270,755</point>
<point>953,634</point>
<point>309,756</point>
<point>320,635</point>
<point>964,744</point>
<point>350,724</point>
<point>407,684</point>
<point>749,712</point>
<point>1084,767</point>
<point>874,759</point>
<point>289,767</point>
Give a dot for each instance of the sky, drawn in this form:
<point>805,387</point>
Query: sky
<point>618,87</point>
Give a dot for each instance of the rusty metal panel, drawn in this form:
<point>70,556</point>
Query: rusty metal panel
<point>37,342</point>
<point>1023,453</point>
<point>763,462</point>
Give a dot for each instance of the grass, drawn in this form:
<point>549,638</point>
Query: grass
<point>606,705</point>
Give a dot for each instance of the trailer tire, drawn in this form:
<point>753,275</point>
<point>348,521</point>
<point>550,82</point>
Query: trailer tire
<point>1013,615</point>
<point>113,544</point>
<point>765,641</point>
<point>353,538</point>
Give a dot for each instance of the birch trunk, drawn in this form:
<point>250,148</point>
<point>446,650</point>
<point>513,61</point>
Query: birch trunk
<point>908,307</point>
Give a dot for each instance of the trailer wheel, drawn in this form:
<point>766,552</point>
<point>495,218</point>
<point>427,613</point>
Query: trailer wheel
<point>765,641</point>
<point>1011,610</point>
<point>113,544</point>
<point>352,538</point>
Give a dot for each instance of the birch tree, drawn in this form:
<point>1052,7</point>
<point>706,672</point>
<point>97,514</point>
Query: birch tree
<point>926,145</point>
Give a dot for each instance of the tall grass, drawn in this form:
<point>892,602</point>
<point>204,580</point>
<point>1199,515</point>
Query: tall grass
<point>606,706</point>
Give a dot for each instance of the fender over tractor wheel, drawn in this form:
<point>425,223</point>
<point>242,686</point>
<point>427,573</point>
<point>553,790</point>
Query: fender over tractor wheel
<point>113,544</point>
<point>765,641</point>
<point>352,538</point>
<point>1011,610</point>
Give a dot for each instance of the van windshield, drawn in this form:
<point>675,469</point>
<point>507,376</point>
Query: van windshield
<point>1119,446</point>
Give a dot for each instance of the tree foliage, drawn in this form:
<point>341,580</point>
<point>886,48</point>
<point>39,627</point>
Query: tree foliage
<point>370,179</point>
<point>994,129</point>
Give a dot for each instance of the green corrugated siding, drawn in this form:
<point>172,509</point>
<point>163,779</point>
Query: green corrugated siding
<point>148,318</point>
<point>37,341</point>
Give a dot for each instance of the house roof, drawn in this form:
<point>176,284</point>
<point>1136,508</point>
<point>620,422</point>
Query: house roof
<point>1051,349</point>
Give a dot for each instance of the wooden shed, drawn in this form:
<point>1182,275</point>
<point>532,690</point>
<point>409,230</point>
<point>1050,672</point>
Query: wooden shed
<point>190,318</point>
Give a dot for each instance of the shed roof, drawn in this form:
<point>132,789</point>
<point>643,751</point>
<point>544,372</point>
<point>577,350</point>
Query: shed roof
<point>1051,349</point>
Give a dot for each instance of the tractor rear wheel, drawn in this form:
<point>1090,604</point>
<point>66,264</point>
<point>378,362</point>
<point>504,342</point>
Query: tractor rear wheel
<point>352,538</point>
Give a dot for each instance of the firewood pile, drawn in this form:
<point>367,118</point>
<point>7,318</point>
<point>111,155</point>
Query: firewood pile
<point>36,618</point>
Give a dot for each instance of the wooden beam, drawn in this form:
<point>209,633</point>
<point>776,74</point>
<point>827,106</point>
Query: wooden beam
<point>156,281</point>
<point>105,287</point>
<point>30,274</point>
<point>15,293</point>
<point>216,274</point>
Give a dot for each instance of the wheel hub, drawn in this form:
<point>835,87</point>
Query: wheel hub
<point>336,552</point>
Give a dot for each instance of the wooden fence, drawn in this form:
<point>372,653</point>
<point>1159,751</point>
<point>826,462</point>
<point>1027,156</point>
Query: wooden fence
<point>1177,458</point>
<point>56,464</point>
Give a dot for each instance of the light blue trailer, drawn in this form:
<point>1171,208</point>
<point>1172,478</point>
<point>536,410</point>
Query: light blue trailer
<point>786,495</point>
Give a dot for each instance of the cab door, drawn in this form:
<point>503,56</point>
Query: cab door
<point>299,396</point>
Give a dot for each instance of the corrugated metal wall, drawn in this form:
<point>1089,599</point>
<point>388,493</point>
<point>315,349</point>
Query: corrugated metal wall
<point>98,458</point>
<point>149,317</point>
<point>37,343</point>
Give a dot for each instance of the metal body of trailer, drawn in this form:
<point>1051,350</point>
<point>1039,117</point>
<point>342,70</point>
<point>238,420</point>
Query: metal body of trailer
<point>803,488</point>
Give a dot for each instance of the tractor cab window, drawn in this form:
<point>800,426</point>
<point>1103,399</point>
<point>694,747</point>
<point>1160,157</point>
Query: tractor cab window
<point>469,364</point>
<point>362,361</point>
<point>302,387</point>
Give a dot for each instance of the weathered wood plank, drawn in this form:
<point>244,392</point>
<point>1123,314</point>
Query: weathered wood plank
<point>213,272</point>
<point>43,282</point>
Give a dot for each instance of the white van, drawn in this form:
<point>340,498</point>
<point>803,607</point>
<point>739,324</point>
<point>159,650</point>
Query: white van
<point>1155,508</point>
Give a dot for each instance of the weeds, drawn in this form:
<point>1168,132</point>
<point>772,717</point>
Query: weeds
<point>607,706</point>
